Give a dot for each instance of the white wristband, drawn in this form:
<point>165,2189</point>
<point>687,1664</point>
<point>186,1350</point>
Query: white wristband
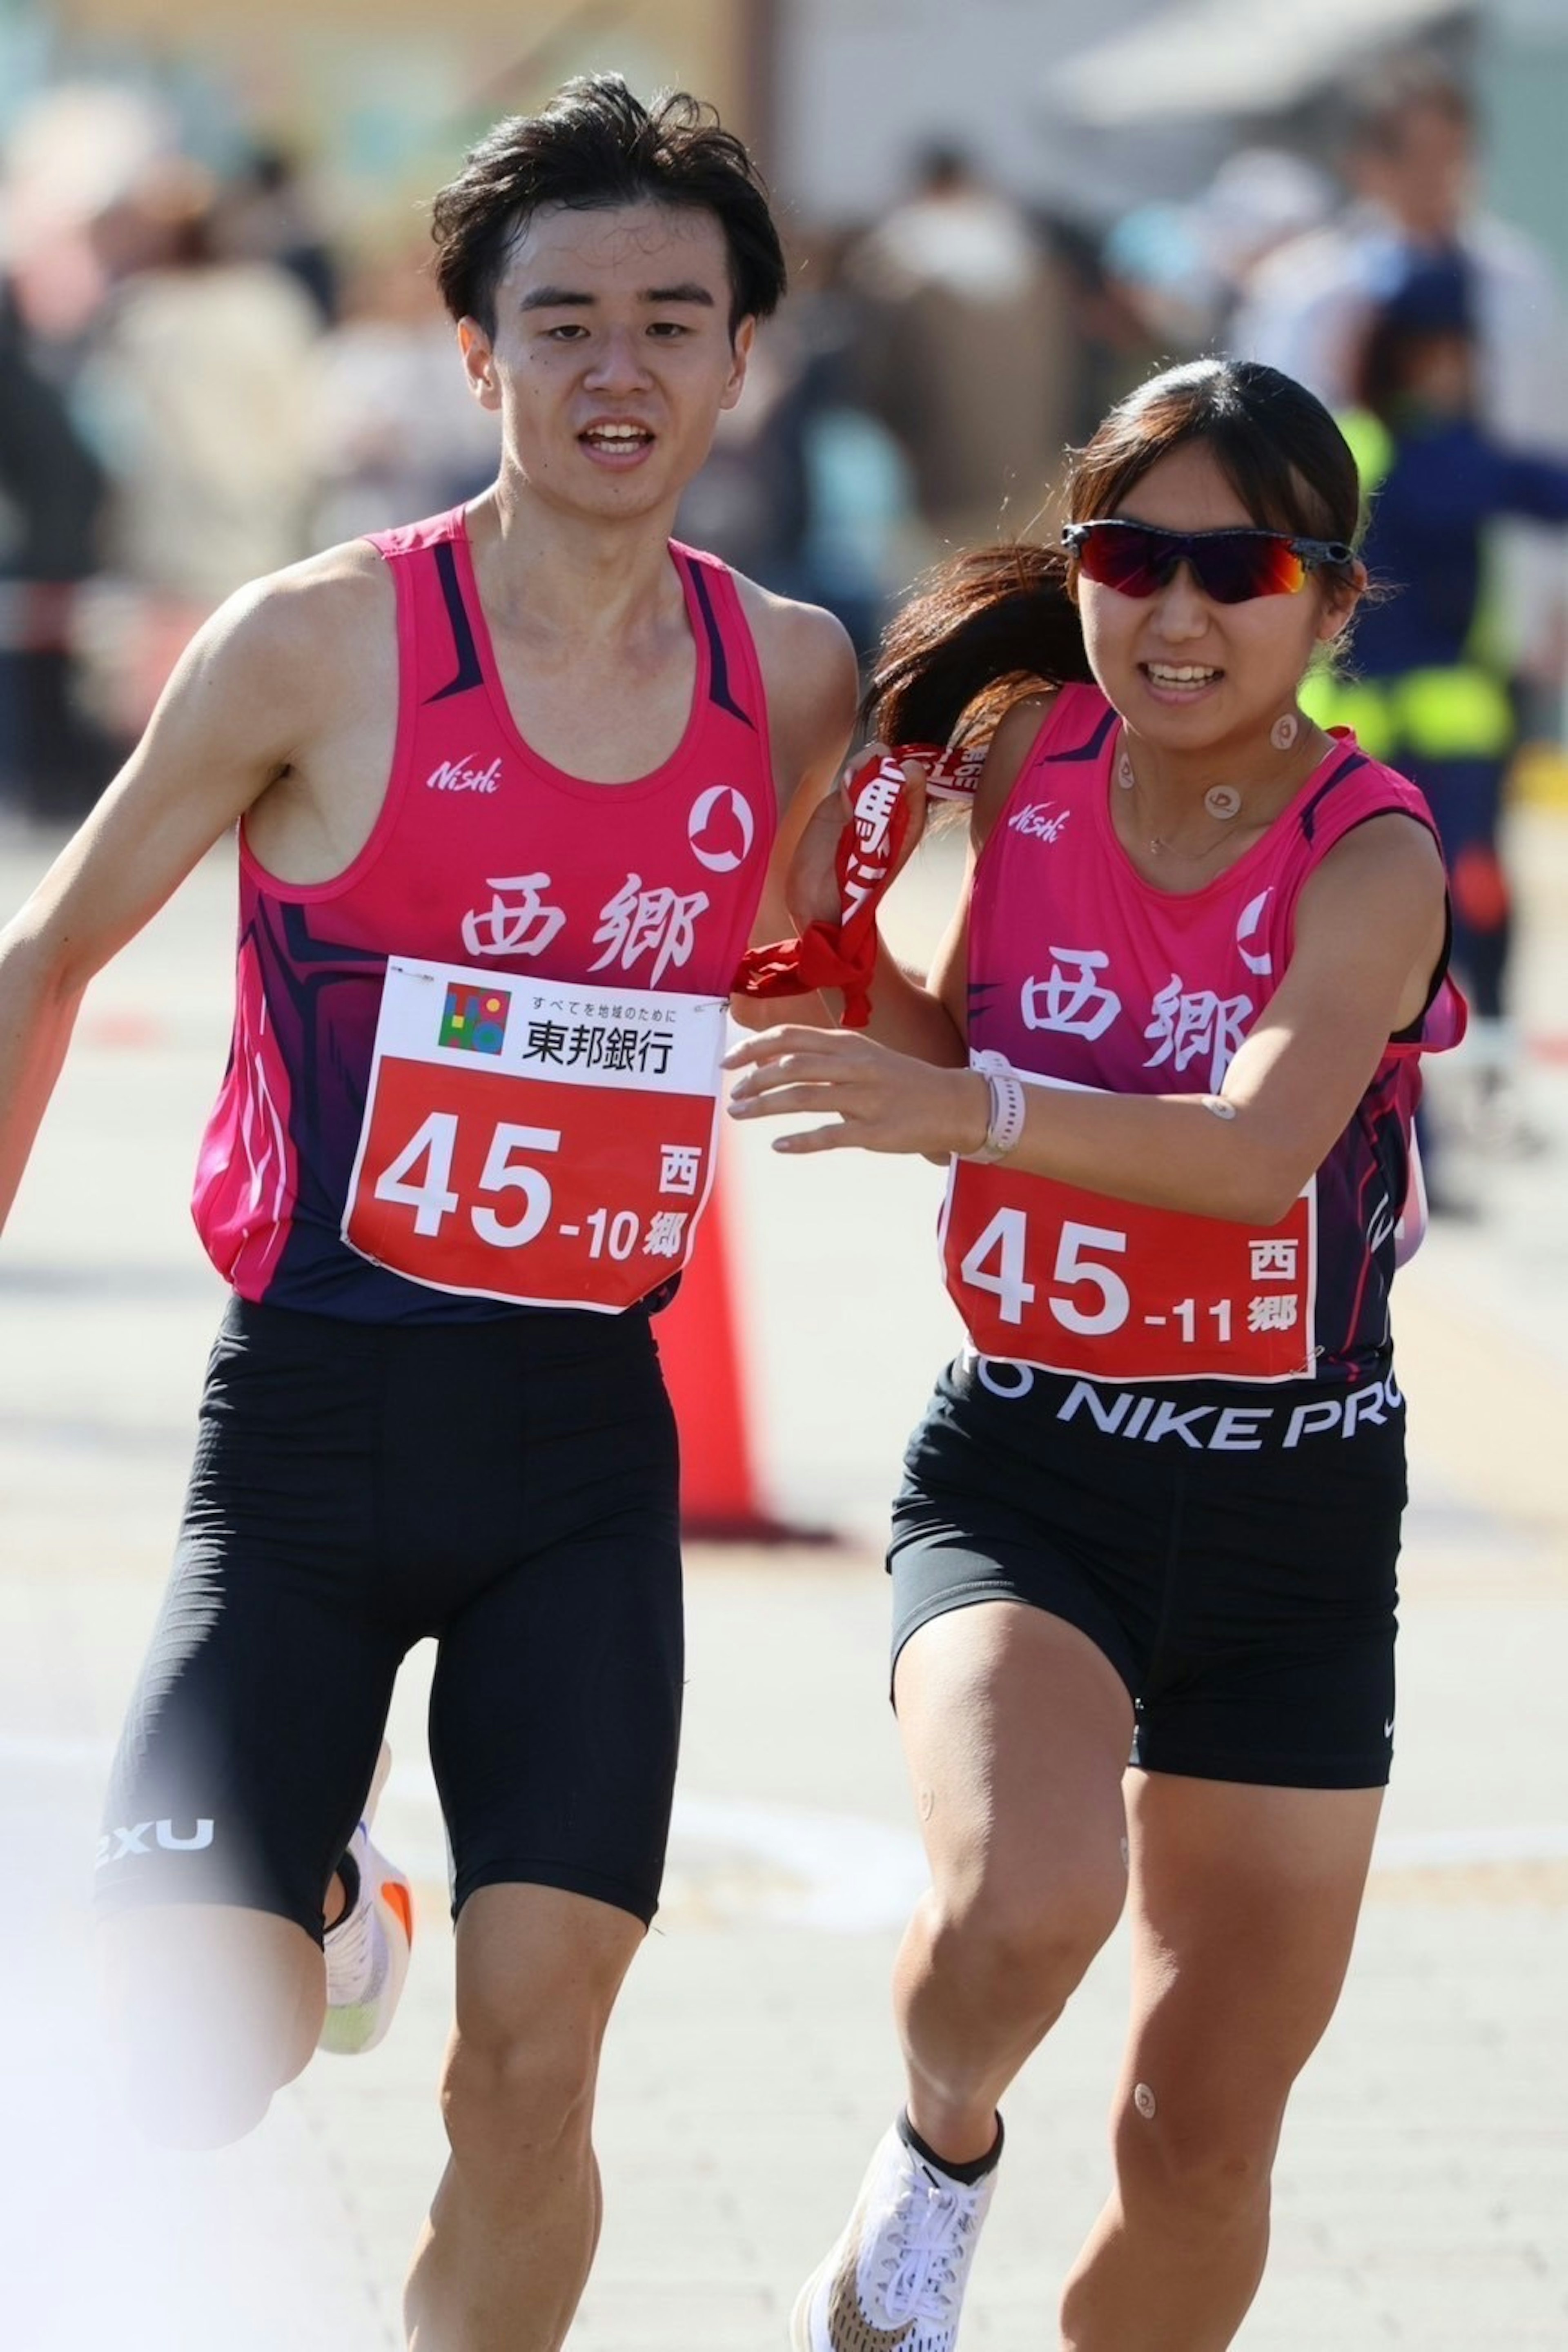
<point>1005,1124</point>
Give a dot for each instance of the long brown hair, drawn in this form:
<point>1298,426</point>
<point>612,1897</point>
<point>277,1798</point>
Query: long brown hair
<point>1000,621</point>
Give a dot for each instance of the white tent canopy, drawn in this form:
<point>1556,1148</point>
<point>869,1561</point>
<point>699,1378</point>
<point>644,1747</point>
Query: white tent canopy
<point>1231,57</point>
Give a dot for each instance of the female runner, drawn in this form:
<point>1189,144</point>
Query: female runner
<point>1155,1502</point>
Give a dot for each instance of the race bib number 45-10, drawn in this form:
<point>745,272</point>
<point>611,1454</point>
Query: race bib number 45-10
<point>542,1142</point>
<point>1046,1274</point>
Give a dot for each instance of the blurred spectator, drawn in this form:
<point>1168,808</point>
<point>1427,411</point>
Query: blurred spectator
<point>1117,343</point>
<point>195,394</point>
<point>1428,694</point>
<point>1188,269</point>
<point>397,431</point>
<point>265,214</point>
<point>76,150</point>
<point>52,763</point>
<point>749,502</point>
<point>1258,200</point>
<point>1410,161</point>
<point>967,352</point>
<point>804,491</point>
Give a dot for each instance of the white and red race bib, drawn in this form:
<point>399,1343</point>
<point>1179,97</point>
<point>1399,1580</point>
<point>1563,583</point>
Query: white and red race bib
<point>1072,1281</point>
<point>544,1142</point>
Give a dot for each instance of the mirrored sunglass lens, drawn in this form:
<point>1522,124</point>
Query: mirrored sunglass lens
<point>1234,571</point>
<point>1119,557</point>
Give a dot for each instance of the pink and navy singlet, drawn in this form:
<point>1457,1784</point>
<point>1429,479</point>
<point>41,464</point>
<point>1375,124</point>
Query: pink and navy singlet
<point>1083,971</point>
<point>485,856</point>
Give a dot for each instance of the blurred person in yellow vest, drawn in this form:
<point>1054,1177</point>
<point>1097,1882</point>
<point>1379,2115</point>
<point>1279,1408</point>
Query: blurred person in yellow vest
<point>1426,688</point>
<point>1411,159</point>
<point>968,349</point>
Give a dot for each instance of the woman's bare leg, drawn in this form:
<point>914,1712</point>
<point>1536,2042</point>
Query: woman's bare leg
<point>1245,1903</point>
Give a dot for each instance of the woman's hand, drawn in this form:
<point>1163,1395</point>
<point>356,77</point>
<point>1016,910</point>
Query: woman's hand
<point>879,1101</point>
<point>811,887</point>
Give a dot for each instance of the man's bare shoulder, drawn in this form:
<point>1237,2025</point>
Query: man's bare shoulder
<point>312,615</point>
<point>287,656</point>
<point>805,650</point>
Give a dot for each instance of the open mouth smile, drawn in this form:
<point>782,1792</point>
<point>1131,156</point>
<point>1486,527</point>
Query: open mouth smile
<point>617,442</point>
<point>1179,681</point>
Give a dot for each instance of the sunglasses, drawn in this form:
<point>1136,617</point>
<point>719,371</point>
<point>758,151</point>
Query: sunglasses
<point>1230,566</point>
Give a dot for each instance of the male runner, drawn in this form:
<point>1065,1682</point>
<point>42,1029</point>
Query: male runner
<point>463,1138</point>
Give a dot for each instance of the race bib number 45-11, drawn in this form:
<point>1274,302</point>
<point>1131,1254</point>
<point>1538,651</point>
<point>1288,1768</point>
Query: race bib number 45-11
<point>1046,1274</point>
<point>543,1143</point>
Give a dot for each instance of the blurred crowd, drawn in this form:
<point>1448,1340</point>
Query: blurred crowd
<point>200,383</point>
<point>197,386</point>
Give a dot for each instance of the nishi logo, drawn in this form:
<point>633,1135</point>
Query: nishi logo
<point>462,776</point>
<point>1040,821</point>
<point>720,829</point>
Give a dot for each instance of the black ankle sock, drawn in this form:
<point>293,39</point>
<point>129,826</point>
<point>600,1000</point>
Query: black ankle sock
<point>966,2175</point>
<point>348,1878</point>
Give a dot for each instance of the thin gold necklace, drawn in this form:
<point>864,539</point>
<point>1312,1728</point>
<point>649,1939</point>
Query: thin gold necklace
<point>1224,802</point>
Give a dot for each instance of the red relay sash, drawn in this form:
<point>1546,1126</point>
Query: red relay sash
<point>844,955</point>
<point>544,1142</point>
<point>1072,1281</point>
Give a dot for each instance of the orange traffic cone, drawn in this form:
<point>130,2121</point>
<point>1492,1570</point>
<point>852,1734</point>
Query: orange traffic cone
<point>700,1348</point>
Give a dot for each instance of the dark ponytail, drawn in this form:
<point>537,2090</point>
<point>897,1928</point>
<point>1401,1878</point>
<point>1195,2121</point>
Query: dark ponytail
<point>994,624</point>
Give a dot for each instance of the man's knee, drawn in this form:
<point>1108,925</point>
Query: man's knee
<point>211,2014</point>
<point>521,2094</point>
<point>194,2098</point>
<point>537,1974</point>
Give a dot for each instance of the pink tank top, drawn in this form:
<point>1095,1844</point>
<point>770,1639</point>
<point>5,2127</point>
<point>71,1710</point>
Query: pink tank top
<point>483,856</point>
<point>1084,971</point>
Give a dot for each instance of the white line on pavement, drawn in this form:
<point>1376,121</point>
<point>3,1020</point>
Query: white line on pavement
<point>841,1874</point>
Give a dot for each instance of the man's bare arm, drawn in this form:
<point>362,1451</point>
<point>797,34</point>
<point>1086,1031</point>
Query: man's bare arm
<point>813,691</point>
<point>230,723</point>
<point>813,688</point>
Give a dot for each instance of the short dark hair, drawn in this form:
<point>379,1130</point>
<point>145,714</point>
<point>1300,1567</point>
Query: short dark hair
<point>595,146</point>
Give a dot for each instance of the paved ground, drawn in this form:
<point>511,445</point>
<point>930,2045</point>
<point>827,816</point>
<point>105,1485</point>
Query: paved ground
<point>1424,2184</point>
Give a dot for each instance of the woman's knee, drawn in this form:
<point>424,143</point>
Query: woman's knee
<point>1023,1941</point>
<point>1197,2169</point>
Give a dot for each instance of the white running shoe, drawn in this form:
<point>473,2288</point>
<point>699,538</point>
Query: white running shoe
<point>895,2281</point>
<point>367,1951</point>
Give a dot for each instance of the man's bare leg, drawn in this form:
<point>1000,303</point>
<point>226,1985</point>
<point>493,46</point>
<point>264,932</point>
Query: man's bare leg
<point>512,2228</point>
<point>214,2009</point>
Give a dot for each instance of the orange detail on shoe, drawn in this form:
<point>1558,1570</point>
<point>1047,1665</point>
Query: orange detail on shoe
<point>396,1897</point>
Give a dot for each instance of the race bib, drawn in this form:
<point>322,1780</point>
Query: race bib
<point>543,1142</point>
<point>1072,1281</point>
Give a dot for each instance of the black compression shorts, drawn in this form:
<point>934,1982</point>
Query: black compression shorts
<point>508,1488</point>
<point>1231,1550</point>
